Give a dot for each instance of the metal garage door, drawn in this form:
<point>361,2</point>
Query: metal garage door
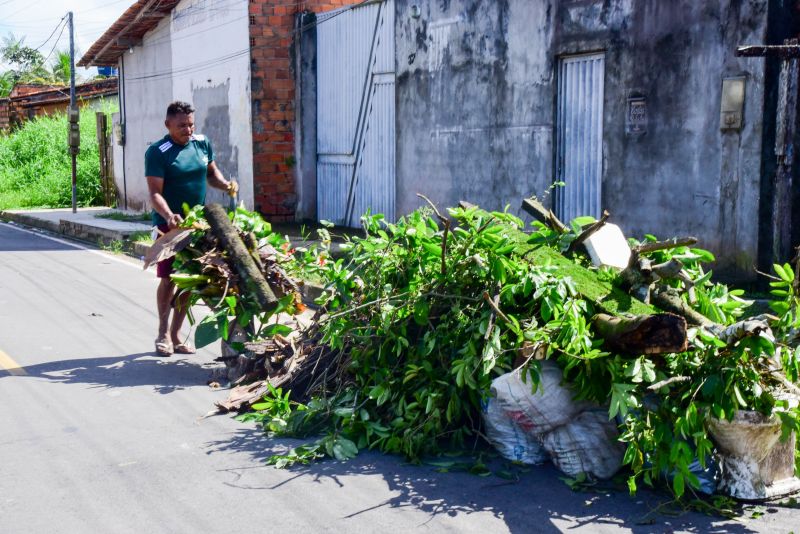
<point>579,142</point>
<point>356,113</point>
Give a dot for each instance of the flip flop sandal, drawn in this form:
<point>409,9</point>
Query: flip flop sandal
<point>163,348</point>
<point>184,348</point>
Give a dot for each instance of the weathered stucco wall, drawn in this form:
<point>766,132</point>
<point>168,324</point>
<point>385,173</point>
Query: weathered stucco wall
<point>144,97</point>
<point>201,56</point>
<point>474,101</point>
<point>476,93</point>
<point>211,64</point>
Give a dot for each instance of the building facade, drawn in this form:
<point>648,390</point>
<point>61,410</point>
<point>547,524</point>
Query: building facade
<point>232,59</point>
<point>639,107</point>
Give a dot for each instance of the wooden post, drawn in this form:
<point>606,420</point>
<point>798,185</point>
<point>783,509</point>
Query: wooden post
<point>785,130</point>
<point>102,151</point>
<point>784,151</point>
<point>111,190</point>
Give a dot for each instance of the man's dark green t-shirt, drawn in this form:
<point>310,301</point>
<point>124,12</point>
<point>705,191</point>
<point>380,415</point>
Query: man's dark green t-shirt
<point>183,169</point>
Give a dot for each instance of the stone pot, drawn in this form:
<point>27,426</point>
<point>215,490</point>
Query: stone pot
<point>754,464</point>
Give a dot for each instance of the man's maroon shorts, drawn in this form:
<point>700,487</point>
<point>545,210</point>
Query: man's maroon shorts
<point>164,267</point>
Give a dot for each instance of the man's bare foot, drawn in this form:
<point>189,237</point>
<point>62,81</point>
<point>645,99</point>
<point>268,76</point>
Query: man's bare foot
<point>184,348</point>
<point>163,347</point>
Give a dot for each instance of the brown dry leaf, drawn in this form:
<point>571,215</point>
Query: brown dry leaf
<point>213,262</point>
<point>168,245</point>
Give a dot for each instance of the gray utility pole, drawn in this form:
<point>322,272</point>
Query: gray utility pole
<point>74,128</point>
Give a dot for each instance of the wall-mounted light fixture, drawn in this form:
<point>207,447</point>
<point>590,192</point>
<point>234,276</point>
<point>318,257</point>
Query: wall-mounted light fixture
<point>732,103</point>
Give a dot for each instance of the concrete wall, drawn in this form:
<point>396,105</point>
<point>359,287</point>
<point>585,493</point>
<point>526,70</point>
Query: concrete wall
<point>211,64</point>
<point>476,93</point>
<point>145,91</point>
<point>200,54</point>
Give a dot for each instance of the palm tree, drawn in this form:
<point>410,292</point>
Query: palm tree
<point>7,81</point>
<point>60,67</point>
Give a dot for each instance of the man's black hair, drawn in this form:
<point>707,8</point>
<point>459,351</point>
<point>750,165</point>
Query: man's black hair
<point>178,107</point>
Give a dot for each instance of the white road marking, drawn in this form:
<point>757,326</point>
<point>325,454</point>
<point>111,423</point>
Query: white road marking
<point>75,245</point>
<point>8,364</point>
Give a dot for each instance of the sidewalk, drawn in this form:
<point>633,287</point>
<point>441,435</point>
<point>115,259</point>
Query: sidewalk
<point>85,225</point>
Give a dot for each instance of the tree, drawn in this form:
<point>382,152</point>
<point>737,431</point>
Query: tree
<point>60,67</point>
<point>28,65</point>
<point>7,82</point>
<point>24,58</point>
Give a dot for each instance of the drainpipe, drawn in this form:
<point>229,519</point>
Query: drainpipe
<point>123,128</point>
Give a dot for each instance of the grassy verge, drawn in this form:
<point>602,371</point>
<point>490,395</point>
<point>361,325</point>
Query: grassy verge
<point>35,164</point>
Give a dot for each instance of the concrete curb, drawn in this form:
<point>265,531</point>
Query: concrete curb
<point>86,232</point>
<point>30,221</point>
<point>74,229</point>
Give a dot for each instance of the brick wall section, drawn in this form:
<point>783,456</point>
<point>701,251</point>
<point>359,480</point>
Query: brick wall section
<point>5,109</point>
<point>272,23</point>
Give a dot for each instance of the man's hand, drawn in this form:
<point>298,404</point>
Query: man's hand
<point>233,188</point>
<point>174,221</point>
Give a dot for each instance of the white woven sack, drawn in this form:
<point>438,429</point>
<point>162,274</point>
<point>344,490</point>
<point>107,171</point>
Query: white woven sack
<point>510,440</point>
<point>538,413</point>
<point>588,445</point>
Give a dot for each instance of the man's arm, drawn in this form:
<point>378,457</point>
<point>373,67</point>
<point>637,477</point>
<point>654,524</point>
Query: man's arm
<point>216,180</point>
<point>155,185</point>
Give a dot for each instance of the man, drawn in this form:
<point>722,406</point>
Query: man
<point>177,168</point>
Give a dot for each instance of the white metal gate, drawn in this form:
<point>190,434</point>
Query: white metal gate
<point>579,142</point>
<point>356,113</point>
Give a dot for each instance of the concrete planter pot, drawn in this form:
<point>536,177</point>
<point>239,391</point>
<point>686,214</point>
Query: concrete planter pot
<point>755,465</point>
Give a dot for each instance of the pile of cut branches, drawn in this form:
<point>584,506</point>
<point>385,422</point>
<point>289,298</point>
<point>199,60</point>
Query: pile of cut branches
<point>246,276</point>
<point>421,315</point>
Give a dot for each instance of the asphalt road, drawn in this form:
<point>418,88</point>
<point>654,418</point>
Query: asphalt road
<point>98,435</point>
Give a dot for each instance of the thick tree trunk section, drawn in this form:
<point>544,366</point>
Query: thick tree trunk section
<point>252,279</point>
<point>646,334</point>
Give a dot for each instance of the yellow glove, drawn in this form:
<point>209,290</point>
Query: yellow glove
<point>233,188</point>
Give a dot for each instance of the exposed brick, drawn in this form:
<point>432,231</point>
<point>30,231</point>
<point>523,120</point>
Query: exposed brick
<point>273,94</point>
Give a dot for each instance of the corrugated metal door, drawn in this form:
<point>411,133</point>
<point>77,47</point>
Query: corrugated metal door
<point>579,142</point>
<point>356,113</point>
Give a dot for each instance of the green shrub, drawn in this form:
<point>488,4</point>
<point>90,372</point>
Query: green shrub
<point>35,164</point>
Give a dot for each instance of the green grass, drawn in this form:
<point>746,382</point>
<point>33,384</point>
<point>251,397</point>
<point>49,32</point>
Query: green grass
<point>35,165</point>
<point>142,237</point>
<point>126,217</point>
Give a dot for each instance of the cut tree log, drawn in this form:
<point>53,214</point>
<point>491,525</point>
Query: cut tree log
<point>243,262</point>
<point>646,334</point>
<point>537,210</point>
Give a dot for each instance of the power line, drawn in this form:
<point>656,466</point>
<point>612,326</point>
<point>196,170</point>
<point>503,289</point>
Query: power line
<point>56,43</point>
<point>38,22</point>
<point>234,55</point>
<point>51,33</point>
<point>24,8</point>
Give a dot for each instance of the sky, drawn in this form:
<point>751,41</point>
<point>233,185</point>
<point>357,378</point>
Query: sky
<point>35,20</point>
